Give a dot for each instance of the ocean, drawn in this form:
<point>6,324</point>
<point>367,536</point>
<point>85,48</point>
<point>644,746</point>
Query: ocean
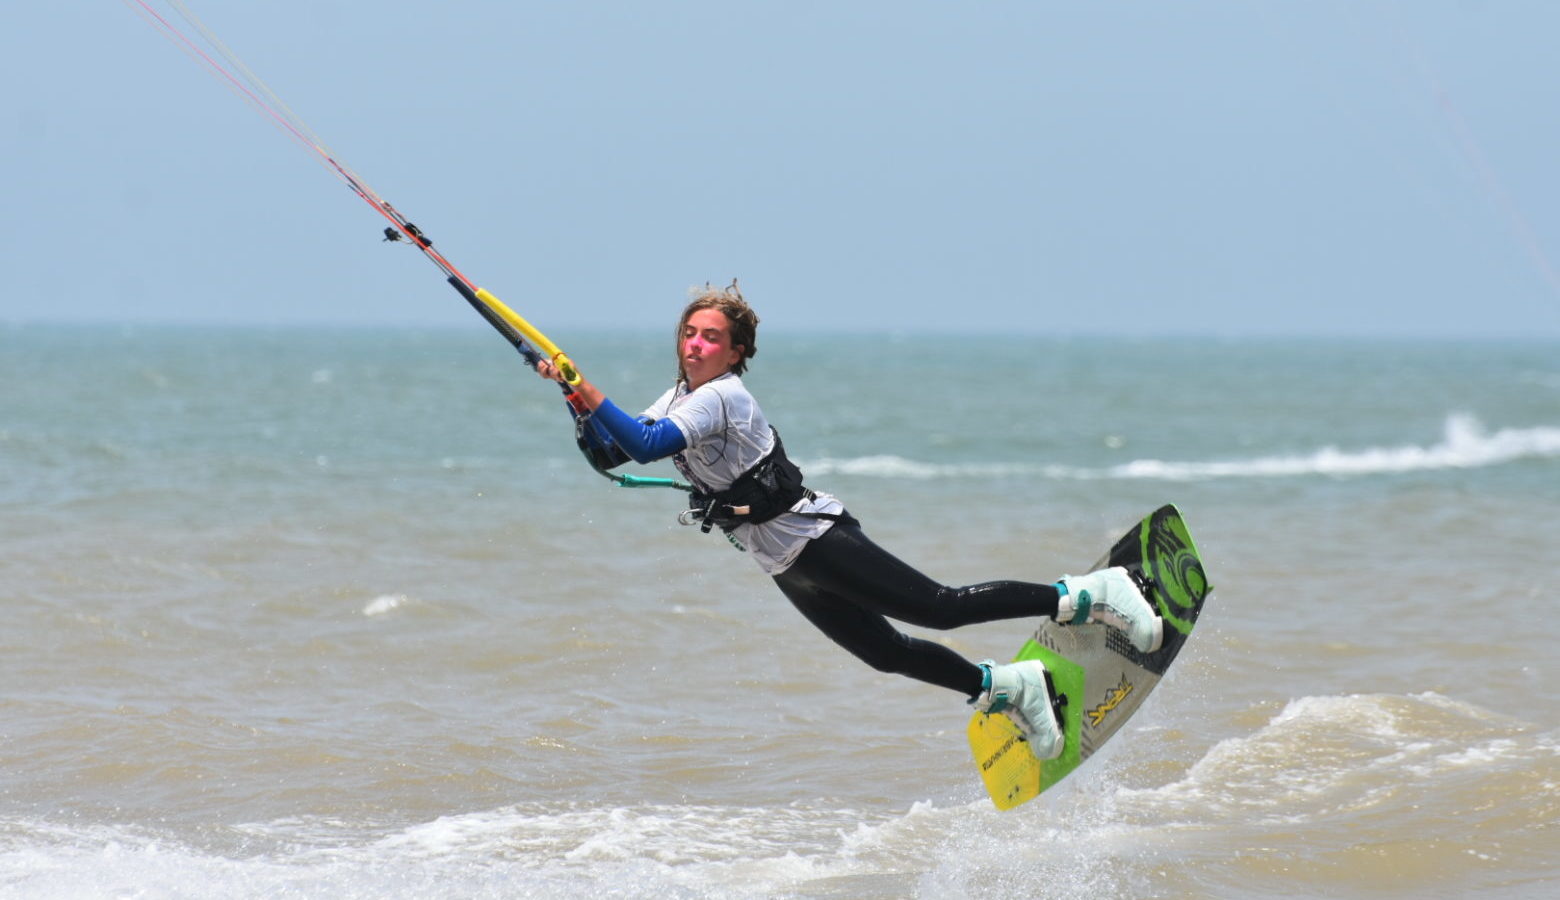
<point>342,613</point>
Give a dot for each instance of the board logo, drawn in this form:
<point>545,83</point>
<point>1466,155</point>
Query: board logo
<point>1169,560</point>
<point>1113,698</point>
<point>997,754</point>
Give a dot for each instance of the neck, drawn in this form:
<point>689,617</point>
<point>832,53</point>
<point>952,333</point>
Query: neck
<point>695,385</point>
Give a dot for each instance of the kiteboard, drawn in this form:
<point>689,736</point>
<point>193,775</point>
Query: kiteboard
<point>1100,676</point>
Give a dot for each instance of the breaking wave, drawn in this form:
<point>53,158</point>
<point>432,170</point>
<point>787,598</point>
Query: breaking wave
<point>1465,444</point>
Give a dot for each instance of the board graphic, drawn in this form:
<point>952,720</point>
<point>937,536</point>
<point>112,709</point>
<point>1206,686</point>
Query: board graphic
<point>1102,676</point>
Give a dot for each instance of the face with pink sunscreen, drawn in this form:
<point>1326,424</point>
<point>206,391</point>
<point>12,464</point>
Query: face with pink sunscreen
<point>706,349</point>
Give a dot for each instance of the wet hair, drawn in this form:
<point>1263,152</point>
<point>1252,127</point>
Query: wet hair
<point>728,302</point>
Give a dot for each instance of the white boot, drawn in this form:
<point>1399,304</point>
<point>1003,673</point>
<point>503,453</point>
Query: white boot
<point>1023,691</point>
<point>1112,597</point>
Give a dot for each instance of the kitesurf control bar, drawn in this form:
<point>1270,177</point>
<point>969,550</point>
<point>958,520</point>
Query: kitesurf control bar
<point>516,330</point>
<point>555,356</point>
<point>532,358</point>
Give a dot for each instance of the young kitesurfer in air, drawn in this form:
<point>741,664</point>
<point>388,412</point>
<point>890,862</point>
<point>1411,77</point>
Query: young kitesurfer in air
<point>846,585</point>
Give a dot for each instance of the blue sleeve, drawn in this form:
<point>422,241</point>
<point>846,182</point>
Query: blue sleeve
<point>643,442</point>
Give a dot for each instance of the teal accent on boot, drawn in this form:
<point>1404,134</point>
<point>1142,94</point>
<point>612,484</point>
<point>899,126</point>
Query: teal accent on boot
<point>1081,614</point>
<point>1111,597</point>
<point>985,682</point>
<point>988,700</point>
<point>1027,690</point>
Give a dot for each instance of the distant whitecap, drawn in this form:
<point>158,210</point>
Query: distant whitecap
<point>1466,444</point>
<point>385,603</point>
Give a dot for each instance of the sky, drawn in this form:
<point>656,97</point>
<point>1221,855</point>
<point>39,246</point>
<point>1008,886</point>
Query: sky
<point>1334,169</point>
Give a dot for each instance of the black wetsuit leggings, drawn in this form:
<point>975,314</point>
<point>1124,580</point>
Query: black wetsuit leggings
<point>846,585</point>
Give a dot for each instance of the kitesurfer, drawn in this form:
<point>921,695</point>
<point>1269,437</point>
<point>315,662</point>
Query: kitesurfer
<point>845,584</point>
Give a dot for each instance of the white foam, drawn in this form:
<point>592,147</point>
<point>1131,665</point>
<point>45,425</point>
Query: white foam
<point>385,603</point>
<point>671,835</point>
<point>544,851</point>
<point>1323,754</point>
<point>1465,444</point>
<point>889,466</point>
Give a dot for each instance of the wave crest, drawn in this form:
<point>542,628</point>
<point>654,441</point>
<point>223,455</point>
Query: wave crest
<point>1466,444</point>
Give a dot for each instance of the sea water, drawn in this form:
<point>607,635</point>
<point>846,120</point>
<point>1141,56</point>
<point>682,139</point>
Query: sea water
<point>304,613</point>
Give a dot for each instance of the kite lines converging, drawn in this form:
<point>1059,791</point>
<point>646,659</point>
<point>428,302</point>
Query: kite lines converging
<point>534,346</point>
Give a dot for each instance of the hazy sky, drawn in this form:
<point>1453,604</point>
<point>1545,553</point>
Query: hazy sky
<point>1228,168</point>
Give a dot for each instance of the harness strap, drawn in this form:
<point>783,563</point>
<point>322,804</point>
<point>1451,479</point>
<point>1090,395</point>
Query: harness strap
<point>712,513</point>
<point>768,489</point>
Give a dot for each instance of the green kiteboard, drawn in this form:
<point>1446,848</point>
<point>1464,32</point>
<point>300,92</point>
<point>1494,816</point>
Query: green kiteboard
<point>1101,677</point>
